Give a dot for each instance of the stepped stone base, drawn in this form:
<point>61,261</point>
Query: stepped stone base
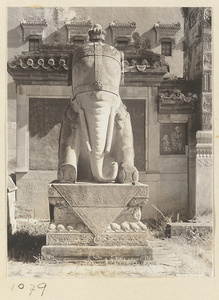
<point>96,252</point>
<point>97,221</point>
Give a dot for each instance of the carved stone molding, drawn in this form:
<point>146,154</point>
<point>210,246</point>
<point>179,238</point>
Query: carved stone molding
<point>166,31</point>
<point>207,82</point>
<point>204,143</point>
<point>32,28</point>
<point>204,137</point>
<point>77,30</point>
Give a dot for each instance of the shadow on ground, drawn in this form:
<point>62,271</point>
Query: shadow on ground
<point>24,247</point>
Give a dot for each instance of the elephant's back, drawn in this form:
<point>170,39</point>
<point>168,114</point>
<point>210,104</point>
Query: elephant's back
<point>96,67</point>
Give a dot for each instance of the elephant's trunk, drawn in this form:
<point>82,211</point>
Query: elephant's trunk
<point>97,127</point>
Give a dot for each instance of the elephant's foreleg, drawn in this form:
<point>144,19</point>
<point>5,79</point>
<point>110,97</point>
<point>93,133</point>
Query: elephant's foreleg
<point>125,148</point>
<point>68,148</point>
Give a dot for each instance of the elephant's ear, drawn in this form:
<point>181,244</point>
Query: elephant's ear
<point>122,68</point>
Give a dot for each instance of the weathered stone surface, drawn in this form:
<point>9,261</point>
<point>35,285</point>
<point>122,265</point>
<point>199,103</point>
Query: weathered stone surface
<point>96,205</point>
<point>188,229</point>
<point>98,195</point>
<point>45,119</point>
<point>32,199</point>
<point>95,252</point>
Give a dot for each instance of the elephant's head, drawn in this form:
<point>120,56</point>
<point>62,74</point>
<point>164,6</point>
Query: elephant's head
<point>97,115</point>
<point>96,76</point>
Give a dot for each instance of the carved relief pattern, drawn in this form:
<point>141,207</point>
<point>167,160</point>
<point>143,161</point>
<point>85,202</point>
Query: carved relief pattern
<point>193,17</point>
<point>207,42</point>
<point>207,17</point>
<point>118,239</point>
<point>115,196</point>
<point>207,103</point>
<point>203,162</point>
<point>172,139</point>
<point>207,60</point>
<point>124,239</point>
<point>99,212</point>
<point>69,239</point>
<point>206,121</point>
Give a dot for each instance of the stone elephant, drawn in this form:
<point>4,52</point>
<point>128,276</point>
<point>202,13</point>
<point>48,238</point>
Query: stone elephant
<point>96,140</point>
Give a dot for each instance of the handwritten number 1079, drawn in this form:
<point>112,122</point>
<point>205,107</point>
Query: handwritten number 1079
<point>41,286</point>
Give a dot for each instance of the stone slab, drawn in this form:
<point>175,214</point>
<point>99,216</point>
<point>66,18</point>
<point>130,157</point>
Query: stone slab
<point>179,228</point>
<point>95,252</point>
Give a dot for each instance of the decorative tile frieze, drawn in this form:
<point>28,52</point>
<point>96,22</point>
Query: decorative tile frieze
<point>32,28</point>
<point>38,62</point>
<point>174,101</point>
<point>166,31</point>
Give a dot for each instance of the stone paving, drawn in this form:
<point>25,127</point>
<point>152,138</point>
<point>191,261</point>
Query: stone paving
<point>166,263</point>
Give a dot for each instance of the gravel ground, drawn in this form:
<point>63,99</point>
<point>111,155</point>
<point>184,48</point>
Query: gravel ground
<point>178,256</point>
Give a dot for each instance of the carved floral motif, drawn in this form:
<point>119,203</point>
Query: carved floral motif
<point>172,139</point>
<point>207,17</point>
<point>207,103</point>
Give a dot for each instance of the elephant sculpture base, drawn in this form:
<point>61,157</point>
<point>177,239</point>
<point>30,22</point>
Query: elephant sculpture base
<point>97,221</point>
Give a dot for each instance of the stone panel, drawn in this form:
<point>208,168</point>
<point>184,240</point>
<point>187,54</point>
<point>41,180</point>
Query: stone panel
<point>45,116</point>
<point>173,199</point>
<point>32,194</point>
<point>172,139</point>
<point>173,164</point>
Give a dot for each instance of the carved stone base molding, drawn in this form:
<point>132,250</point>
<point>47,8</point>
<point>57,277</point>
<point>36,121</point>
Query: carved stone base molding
<point>90,218</point>
<point>204,177</point>
<point>88,239</point>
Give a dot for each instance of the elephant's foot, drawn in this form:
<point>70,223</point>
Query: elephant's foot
<point>127,174</point>
<point>67,174</point>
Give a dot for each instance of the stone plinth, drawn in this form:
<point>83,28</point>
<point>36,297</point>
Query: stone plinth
<point>97,221</point>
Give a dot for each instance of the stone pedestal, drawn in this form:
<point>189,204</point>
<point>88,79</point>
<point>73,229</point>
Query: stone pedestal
<point>97,221</point>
